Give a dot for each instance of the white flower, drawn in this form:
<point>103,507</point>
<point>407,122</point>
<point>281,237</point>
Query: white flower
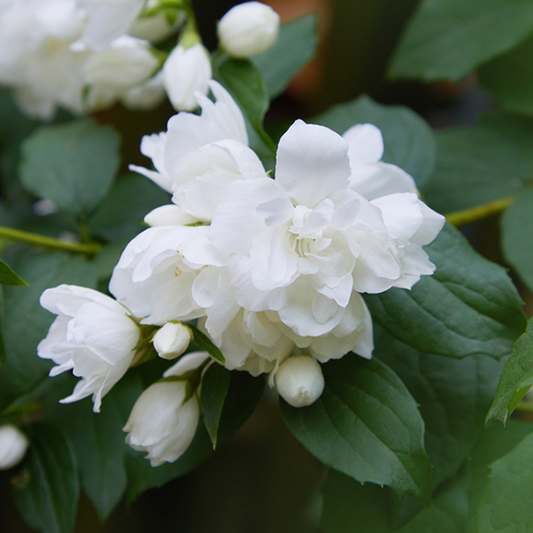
<point>112,72</point>
<point>106,20</point>
<point>163,421</point>
<point>305,245</point>
<point>156,273</point>
<point>157,27</point>
<point>199,156</point>
<point>145,95</point>
<point>13,446</point>
<point>43,60</point>
<point>299,381</point>
<point>186,73</point>
<point>172,340</point>
<point>92,335</point>
<point>370,177</point>
<point>248,29</point>
<point>35,58</point>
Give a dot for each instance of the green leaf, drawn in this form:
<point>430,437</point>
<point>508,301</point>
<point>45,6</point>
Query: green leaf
<point>517,129</point>
<point>47,493</point>
<point>506,505</point>
<point>26,322</point>
<point>509,78</point>
<point>120,214</point>
<point>71,164</point>
<point>474,166</point>
<point>409,141</point>
<point>215,385</point>
<point>244,82</point>
<point>366,425</point>
<point>468,306</point>
<point>516,242</point>
<point>295,47</point>
<point>516,378</point>
<point>8,277</point>
<point>453,397</point>
<point>244,394</point>
<point>206,344</point>
<point>100,449</point>
<point>447,39</point>
<point>142,476</point>
<point>348,506</point>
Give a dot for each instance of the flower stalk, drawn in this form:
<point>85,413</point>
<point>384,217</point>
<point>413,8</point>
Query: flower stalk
<point>49,242</point>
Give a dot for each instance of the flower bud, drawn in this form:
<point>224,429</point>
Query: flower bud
<point>186,71</point>
<point>162,423</point>
<point>248,29</point>
<point>299,381</point>
<point>13,446</point>
<point>172,340</point>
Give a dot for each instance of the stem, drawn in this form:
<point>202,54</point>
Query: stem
<point>48,242</point>
<point>524,406</point>
<point>473,214</point>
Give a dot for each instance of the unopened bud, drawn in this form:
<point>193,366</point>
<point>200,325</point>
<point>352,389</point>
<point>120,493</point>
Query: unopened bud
<point>299,381</point>
<point>172,340</point>
<point>248,29</point>
<point>13,446</point>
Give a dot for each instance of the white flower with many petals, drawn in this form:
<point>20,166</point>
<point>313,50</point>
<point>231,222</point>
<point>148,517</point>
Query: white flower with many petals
<point>93,336</point>
<point>200,155</point>
<point>13,446</point>
<point>163,421</point>
<point>248,29</point>
<point>305,244</point>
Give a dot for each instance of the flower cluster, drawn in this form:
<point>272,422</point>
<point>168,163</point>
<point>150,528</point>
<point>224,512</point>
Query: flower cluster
<point>273,268</point>
<point>85,55</point>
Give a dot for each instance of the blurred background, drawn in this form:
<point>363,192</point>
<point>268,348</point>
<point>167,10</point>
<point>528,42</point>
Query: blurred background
<point>263,480</point>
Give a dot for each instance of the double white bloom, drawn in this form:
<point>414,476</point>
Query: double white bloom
<point>283,261</point>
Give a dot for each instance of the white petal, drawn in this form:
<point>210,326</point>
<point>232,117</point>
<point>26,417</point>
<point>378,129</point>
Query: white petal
<point>365,143</point>
<point>312,162</point>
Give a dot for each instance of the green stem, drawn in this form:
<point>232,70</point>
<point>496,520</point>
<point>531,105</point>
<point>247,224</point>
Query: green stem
<point>473,214</point>
<point>525,406</point>
<point>48,242</point>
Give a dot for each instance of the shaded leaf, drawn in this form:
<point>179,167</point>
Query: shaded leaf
<point>205,343</point>
<point>517,244</point>
<point>120,214</point>
<point>453,397</point>
<point>366,425</point>
<point>71,164</point>
<point>348,506</point>
<point>27,322</point>
<point>516,378</point>
<point>295,47</point>
<point>447,39</point>
<point>506,505</point>
<point>215,385</point>
<point>474,166</point>
<point>509,78</point>
<point>468,306</point>
<point>48,489</point>
<point>8,277</point>
<point>244,82</point>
